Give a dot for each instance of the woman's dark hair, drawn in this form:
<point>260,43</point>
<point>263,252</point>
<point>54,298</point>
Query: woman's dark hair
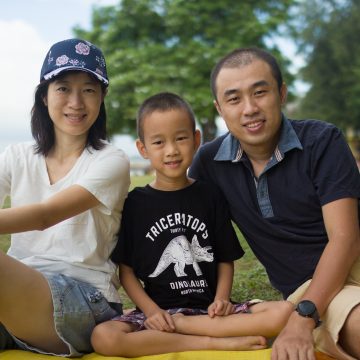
<point>42,127</point>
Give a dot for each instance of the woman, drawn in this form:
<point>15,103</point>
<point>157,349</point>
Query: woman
<point>67,192</point>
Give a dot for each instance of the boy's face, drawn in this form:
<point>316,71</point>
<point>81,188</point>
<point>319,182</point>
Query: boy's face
<point>169,144</point>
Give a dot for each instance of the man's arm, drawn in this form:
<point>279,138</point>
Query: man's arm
<point>342,226</point>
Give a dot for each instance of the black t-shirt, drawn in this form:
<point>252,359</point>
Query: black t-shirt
<point>173,241</point>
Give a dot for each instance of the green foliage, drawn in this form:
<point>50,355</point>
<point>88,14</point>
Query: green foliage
<point>172,45</point>
<point>328,34</point>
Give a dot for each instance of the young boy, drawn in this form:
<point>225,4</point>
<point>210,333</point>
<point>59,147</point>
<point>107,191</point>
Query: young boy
<point>176,250</point>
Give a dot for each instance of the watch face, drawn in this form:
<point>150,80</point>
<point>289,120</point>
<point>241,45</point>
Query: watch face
<point>306,308</point>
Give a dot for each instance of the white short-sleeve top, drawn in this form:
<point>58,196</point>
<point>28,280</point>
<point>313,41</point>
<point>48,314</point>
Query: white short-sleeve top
<point>80,246</point>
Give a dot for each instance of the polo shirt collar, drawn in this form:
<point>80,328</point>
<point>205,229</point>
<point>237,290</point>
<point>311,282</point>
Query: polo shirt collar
<point>231,150</point>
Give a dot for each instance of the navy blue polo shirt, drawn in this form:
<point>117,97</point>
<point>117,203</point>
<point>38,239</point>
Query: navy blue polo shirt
<point>279,213</point>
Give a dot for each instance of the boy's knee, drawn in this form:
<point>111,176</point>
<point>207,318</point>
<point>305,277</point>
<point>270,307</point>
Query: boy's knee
<point>102,338</point>
<point>287,307</point>
<point>281,312</point>
<point>284,311</point>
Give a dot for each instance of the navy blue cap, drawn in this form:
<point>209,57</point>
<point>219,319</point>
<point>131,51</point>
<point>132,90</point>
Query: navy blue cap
<point>74,54</point>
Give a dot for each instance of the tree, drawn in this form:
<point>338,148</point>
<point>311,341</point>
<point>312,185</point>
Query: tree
<point>328,35</point>
<point>172,45</point>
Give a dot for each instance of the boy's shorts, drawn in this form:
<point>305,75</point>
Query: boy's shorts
<point>327,334</point>
<point>78,308</point>
<point>137,318</point>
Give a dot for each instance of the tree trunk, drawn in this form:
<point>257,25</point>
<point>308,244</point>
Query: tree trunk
<point>353,138</point>
<point>208,130</point>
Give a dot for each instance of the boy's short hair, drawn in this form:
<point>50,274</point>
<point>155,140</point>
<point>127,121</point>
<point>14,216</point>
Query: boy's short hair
<point>244,56</point>
<point>164,101</point>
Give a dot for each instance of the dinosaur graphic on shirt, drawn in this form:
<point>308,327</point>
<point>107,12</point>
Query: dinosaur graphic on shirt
<point>180,253</point>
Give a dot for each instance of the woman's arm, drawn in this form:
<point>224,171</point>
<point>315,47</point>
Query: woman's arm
<point>64,205</point>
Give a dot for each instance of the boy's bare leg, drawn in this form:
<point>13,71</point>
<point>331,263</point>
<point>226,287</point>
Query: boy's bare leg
<point>266,319</point>
<point>115,338</point>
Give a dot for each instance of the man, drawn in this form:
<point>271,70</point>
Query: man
<point>293,189</point>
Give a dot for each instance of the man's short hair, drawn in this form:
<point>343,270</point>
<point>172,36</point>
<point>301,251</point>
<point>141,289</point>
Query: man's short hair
<point>245,56</point>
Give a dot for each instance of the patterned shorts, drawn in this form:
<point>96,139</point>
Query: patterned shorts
<point>137,318</point>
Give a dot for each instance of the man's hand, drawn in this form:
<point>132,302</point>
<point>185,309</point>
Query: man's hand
<point>220,308</point>
<point>295,342</point>
<point>160,320</point>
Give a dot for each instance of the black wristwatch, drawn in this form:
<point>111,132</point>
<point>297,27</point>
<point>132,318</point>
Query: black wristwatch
<point>307,308</point>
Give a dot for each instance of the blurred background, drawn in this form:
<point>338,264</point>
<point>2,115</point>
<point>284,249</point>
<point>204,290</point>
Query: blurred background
<point>158,45</point>
<point>172,45</point>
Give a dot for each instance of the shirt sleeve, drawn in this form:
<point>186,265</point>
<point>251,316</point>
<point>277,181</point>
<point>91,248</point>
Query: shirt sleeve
<point>333,167</point>
<point>123,249</point>
<point>227,245</point>
<point>197,170</point>
<point>108,177</point>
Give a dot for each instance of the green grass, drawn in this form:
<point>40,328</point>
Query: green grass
<point>250,279</point>
<point>5,239</point>
<point>140,180</point>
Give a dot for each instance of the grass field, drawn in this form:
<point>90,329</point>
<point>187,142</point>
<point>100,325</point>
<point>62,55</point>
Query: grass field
<point>5,239</point>
<point>250,280</point>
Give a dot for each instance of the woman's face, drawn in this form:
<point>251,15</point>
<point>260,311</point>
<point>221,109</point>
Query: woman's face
<point>73,103</point>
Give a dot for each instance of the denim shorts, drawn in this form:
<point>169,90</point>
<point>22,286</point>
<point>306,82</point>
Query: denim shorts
<point>78,308</point>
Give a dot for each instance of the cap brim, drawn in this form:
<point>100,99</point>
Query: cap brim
<point>74,68</point>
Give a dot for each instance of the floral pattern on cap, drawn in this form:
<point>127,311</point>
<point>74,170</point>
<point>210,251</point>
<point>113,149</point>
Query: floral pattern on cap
<point>61,60</point>
<point>74,54</point>
<point>82,48</point>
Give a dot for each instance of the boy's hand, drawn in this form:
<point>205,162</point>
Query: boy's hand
<point>220,308</point>
<point>160,320</point>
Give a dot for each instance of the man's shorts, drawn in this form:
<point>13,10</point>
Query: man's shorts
<point>327,334</point>
<point>78,308</point>
<point>137,318</point>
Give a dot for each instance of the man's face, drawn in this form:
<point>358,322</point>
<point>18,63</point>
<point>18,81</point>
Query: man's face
<point>249,101</point>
